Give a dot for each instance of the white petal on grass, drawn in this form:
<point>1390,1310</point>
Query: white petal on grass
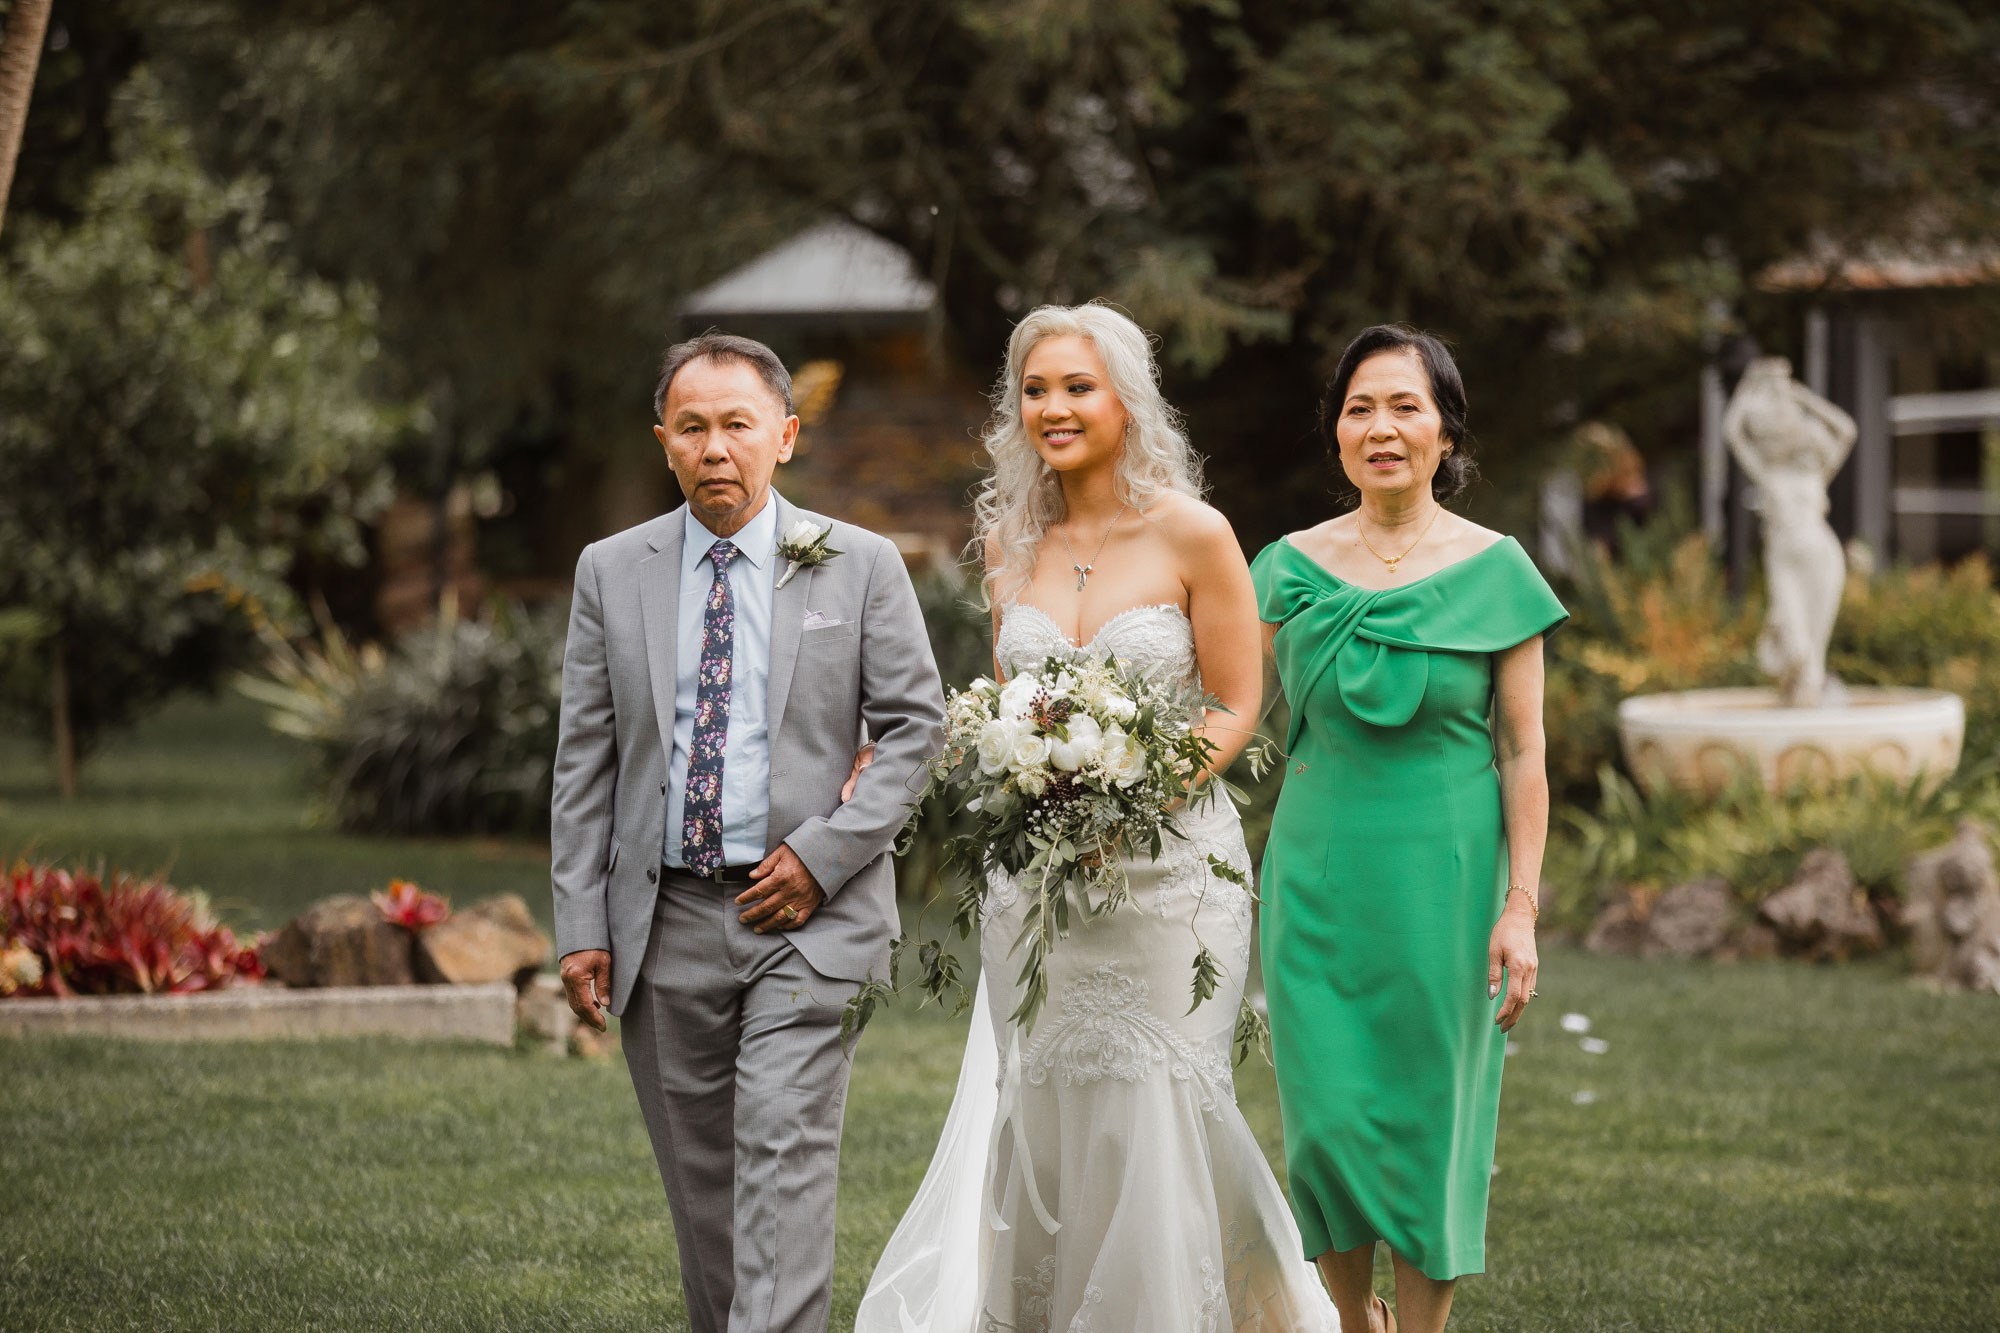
<point>1575,1023</point>
<point>1594,1045</point>
<point>1583,1097</point>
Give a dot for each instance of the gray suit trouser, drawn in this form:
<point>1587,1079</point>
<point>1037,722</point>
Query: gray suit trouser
<point>733,1040</point>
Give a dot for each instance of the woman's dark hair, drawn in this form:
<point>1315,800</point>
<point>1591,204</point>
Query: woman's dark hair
<point>1455,469</point>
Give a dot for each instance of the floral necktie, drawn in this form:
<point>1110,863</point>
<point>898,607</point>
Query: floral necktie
<point>701,811</point>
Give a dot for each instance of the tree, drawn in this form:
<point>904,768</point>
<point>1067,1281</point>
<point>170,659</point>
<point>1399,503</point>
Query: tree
<point>182,416</point>
<point>1570,189</point>
<point>27,22</point>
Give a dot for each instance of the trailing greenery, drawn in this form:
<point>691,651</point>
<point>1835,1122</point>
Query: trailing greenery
<point>184,416</point>
<point>451,731</point>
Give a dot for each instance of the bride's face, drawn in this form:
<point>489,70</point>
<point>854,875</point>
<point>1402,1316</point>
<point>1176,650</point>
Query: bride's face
<point>1071,413</point>
<point>1391,435</point>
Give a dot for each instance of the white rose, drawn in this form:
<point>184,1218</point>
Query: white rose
<point>996,744</point>
<point>1080,748</point>
<point>1031,749</point>
<point>801,533</point>
<point>1032,783</point>
<point>1124,763</point>
<point>1119,707</point>
<point>1018,693</point>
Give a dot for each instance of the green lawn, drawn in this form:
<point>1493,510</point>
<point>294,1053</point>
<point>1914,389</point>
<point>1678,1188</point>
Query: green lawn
<point>1769,1147</point>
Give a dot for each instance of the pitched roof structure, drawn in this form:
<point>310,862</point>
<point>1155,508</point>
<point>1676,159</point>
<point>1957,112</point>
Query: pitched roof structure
<point>834,268</point>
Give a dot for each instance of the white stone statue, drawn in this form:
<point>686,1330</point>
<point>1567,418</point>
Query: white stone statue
<point>1791,442</point>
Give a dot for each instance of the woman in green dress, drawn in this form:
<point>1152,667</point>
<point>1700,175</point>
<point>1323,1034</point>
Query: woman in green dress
<point>1401,878</point>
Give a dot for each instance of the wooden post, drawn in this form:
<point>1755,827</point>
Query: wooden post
<point>20,54</point>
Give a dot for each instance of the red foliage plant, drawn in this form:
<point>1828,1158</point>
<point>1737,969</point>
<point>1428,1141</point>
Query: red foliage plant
<point>410,907</point>
<point>128,935</point>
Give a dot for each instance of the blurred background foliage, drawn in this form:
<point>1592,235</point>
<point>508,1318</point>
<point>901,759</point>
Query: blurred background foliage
<point>1578,192</point>
<point>185,426</point>
<point>472,230</point>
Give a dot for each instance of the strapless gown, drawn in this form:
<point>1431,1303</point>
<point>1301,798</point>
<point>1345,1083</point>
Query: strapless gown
<point>1095,1174</point>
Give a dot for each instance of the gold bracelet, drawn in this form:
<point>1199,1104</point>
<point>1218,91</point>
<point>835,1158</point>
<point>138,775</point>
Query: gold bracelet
<point>1533,907</point>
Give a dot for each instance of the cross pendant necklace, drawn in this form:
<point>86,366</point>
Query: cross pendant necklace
<point>1083,571</point>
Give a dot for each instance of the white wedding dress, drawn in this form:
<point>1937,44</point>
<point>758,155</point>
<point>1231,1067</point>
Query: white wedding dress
<point>1094,1174</point>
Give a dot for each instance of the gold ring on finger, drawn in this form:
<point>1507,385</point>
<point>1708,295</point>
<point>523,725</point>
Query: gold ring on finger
<point>790,915</point>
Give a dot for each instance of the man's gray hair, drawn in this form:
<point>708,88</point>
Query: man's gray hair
<point>715,345</point>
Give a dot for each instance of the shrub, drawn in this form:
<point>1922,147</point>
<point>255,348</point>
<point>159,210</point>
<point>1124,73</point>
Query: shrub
<point>92,937</point>
<point>453,731</point>
<point>1928,626</point>
<point>406,905</point>
<point>1750,837</point>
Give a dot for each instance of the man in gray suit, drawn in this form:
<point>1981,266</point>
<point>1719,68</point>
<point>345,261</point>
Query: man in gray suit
<point>712,887</point>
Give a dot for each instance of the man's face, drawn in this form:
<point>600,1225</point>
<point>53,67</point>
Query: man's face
<point>725,433</point>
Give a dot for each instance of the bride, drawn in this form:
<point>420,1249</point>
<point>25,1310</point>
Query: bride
<point>1094,1173</point>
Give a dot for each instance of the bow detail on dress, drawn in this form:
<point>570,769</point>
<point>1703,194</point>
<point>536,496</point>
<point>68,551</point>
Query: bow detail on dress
<point>1375,644</point>
<point>1325,627</point>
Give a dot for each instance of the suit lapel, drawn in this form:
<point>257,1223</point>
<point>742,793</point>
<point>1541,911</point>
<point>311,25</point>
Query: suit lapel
<point>788,615</point>
<point>660,607</point>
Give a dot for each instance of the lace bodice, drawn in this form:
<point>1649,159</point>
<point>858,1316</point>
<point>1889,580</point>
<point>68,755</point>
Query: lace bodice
<point>1157,639</point>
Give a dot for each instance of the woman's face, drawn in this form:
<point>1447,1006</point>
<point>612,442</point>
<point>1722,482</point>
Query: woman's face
<point>1068,407</point>
<point>1391,436</point>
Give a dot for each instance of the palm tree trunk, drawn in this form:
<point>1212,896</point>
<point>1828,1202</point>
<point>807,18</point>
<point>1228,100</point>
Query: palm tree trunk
<point>20,53</point>
<point>65,731</point>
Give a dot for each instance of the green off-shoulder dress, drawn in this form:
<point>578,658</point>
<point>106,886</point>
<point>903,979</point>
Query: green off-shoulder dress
<point>1384,875</point>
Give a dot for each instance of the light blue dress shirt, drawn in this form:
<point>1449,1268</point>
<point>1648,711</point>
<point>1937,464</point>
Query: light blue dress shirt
<point>746,765</point>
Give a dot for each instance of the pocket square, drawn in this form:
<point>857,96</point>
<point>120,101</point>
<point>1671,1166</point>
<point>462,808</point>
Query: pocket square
<point>820,620</point>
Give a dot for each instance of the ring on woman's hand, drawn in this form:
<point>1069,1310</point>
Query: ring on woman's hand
<point>1533,993</point>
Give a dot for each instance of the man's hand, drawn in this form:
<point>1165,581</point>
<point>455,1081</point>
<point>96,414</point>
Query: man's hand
<point>782,895</point>
<point>586,979</point>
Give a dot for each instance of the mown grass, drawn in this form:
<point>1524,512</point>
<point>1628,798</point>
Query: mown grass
<point>1768,1146</point>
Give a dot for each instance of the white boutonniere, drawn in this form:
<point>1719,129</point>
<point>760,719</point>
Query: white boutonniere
<point>804,546</point>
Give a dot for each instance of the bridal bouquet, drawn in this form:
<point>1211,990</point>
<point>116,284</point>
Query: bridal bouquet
<point>1066,770</point>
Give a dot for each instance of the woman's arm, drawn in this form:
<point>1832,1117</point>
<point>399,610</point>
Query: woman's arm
<point>1519,749</point>
<point>1274,684</point>
<point>1222,605</point>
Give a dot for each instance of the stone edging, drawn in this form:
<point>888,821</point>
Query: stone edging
<point>462,1013</point>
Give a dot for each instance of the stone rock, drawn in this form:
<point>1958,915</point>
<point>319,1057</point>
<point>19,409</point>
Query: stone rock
<point>588,1042</point>
<point>1690,920</point>
<point>1953,912</point>
<point>340,942</point>
<point>1619,929</point>
<point>1757,940</point>
<point>543,1015</point>
<point>1822,913</point>
<point>494,941</point>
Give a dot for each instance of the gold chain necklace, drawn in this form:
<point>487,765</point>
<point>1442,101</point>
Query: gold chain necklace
<point>1393,560</point>
<point>1083,571</point>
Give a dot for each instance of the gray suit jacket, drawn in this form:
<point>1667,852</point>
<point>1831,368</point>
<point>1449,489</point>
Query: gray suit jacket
<point>871,672</point>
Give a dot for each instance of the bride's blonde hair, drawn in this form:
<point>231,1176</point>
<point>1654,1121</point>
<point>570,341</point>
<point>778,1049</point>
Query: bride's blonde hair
<point>1022,495</point>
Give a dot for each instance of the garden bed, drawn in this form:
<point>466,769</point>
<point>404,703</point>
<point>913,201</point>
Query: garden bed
<point>449,1013</point>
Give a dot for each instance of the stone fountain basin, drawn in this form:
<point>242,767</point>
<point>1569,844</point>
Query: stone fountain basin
<point>1701,740</point>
